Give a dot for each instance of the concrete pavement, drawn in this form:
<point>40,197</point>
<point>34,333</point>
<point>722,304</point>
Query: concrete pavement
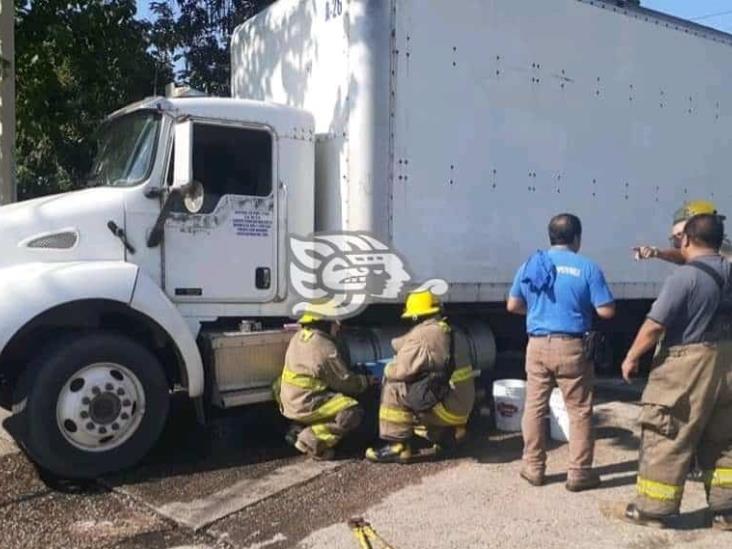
<point>480,503</point>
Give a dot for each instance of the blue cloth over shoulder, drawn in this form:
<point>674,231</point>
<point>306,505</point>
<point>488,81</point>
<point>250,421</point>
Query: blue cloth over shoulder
<point>539,272</point>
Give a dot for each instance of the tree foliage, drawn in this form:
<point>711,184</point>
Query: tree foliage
<point>75,63</point>
<point>199,31</point>
<point>78,61</point>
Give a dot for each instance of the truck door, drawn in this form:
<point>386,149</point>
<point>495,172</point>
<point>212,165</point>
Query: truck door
<point>227,251</point>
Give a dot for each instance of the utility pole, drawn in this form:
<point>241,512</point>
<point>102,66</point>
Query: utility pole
<point>7,102</point>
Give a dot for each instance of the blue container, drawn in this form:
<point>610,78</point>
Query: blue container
<point>376,368</point>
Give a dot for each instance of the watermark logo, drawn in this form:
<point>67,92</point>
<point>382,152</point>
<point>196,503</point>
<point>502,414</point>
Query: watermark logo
<point>338,274</point>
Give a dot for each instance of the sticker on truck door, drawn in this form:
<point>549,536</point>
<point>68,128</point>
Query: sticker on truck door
<point>252,223</point>
<point>337,275</point>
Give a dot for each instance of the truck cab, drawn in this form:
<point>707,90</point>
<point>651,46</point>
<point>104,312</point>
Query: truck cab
<point>184,224</point>
<point>252,164</point>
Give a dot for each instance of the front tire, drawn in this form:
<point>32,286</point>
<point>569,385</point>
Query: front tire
<point>91,404</point>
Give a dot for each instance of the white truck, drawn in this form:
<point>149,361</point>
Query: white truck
<point>449,131</point>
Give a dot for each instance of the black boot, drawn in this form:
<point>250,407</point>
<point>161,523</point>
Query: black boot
<point>722,521</point>
<point>293,432</point>
<point>639,518</point>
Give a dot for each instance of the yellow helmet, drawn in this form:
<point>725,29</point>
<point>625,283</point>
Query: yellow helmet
<point>421,304</point>
<point>318,310</point>
<point>308,317</point>
<point>695,207</point>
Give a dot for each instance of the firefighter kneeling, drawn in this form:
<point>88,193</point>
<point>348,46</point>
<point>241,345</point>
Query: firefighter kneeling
<point>429,385</point>
<point>316,389</point>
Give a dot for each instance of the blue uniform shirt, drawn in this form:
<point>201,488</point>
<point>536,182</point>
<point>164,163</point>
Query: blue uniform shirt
<point>564,301</point>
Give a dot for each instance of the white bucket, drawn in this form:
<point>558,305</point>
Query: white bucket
<point>509,396</point>
<point>558,417</point>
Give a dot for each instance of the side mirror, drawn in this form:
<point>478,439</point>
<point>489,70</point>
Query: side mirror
<point>183,158</point>
<point>182,162</point>
<point>183,183</point>
<point>191,192</point>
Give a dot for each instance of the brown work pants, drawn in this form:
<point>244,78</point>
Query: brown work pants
<point>687,411</point>
<point>326,434</point>
<point>557,361</point>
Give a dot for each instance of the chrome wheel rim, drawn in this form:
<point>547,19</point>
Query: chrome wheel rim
<point>100,407</point>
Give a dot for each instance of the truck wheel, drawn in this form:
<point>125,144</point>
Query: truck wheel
<point>91,404</point>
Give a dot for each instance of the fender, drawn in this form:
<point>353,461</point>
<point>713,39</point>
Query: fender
<point>31,289</point>
<point>150,300</point>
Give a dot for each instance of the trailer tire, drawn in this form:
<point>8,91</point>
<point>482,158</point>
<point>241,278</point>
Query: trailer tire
<point>91,404</point>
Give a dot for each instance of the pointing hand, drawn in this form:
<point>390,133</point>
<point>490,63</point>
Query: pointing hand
<point>645,252</point>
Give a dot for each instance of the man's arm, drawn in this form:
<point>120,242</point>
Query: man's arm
<point>338,376</point>
<point>606,312</point>
<point>648,336</point>
<point>335,371</point>
<point>671,255</point>
<point>410,361</point>
<point>600,294</point>
<point>671,301</point>
<point>516,305</point>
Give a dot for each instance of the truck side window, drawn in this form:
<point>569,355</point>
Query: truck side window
<point>231,161</point>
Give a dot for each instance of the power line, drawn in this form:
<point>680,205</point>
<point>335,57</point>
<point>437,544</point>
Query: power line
<point>711,15</point>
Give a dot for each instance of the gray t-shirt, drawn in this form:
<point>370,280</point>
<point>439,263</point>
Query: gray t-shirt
<point>688,301</point>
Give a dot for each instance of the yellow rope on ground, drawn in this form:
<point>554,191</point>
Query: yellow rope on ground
<point>365,534</point>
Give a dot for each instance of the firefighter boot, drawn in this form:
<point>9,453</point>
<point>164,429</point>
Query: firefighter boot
<point>722,521</point>
<point>635,516</point>
<point>292,433</point>
<point>324,455</point>
<point>394,452</point>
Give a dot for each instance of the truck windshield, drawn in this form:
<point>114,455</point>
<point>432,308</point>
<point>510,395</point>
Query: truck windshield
<point>125,150</point>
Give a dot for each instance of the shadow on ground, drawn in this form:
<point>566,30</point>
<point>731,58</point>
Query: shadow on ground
<point>249,443</point>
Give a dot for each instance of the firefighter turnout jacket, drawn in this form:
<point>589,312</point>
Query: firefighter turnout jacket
<point>316,381</point>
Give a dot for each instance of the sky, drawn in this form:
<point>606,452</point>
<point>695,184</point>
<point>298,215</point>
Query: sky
<point>713,13</point>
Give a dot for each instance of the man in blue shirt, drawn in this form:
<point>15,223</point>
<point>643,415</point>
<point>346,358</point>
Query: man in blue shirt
<point>559,290</point>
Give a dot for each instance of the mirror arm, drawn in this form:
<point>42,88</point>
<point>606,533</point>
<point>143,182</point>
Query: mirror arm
<point>156,234</point>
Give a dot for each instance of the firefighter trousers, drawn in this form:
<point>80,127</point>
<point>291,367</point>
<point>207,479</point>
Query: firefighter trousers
<point>397,421</point>
<point>320,435</point>
<point>686,412</point>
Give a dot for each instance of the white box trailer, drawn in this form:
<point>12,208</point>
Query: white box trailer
<point>450,132</point>
<point>455,130</point>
